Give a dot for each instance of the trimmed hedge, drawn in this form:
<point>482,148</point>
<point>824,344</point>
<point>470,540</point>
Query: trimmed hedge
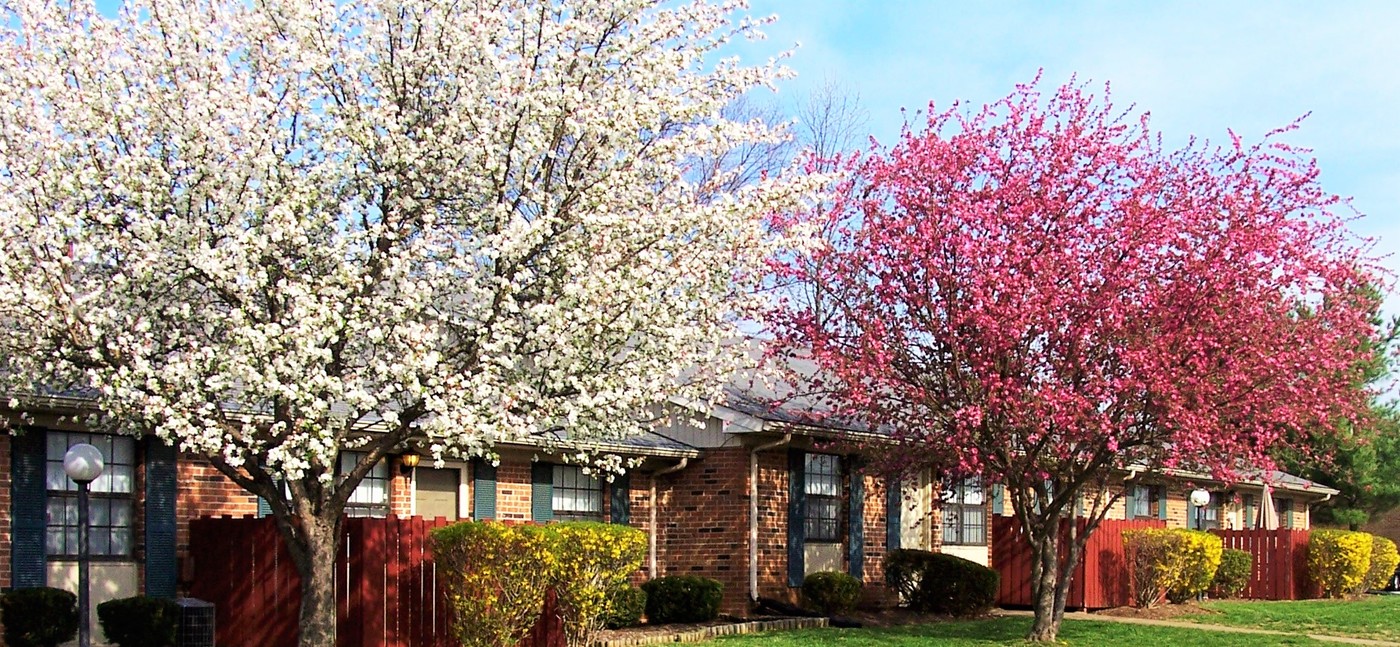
<point>938,583</point>
<point>1384,560</point>
<point>140,621</point>
<point>683,598</point>
<point>1339,560</point>
<point>39,617</point>
<point>497,575</point>
<point>1236,567</point>
<point>831,592</point>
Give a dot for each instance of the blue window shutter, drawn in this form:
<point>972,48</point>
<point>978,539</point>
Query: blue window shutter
<point>1129,501</point>
<point>1191,516</point>
<point>542,492</point>
<point>797,521</point>
<point>894,510</point>
<point>483,490</point>
<point>264,508</point>
<point>855,544</point>
<point>1161,502</point>
<point>999,499</point>
<point>620,505</point>
<point>161,567</point>
<point>28,509</point>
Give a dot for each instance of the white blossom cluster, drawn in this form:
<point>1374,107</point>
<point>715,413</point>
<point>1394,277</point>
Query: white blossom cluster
<point>274,230</point>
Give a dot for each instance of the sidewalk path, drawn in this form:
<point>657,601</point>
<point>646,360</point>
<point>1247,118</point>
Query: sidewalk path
<point>1205,627</point>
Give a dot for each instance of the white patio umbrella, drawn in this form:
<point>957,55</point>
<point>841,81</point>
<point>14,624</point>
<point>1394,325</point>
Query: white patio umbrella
<point>1268,515</point>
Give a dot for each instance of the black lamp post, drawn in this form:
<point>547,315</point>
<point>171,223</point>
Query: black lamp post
<point>83,464</point>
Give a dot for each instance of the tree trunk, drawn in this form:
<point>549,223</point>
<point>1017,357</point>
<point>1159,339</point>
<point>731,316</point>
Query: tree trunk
<point>1043,586</point>
<point>317,570</point>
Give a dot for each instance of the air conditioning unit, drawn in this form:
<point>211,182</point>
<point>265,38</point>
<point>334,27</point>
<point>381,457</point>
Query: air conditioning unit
<point>196,623</point>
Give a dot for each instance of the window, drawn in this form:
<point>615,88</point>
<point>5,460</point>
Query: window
<point>110,503</point>
<point>823,501</point>
<point>965,513</point>
<point>1146,502</point>
<point>1251,511</point>
<point>1285,512</point>
<point>577,496</point>
<point>1209,518</point>
<point>371,496</point>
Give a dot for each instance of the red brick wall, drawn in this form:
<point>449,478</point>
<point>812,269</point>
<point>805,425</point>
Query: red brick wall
<point>703,523</point>
<point>513,491</point>
<point>5,541</point>
<point>704,526</point>
<point>875,544</point>
<point>203,491</point>
<point>400,491</point>
<point>772,526</point>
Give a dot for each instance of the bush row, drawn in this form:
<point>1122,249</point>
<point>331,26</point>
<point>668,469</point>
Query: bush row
<point>46,616</point>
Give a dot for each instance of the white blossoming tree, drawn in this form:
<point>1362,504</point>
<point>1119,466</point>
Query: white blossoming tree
<point>269,231</point>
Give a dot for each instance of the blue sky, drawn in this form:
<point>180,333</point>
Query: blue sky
<point>1200,68</point>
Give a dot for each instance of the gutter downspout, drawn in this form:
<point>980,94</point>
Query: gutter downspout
<point>651,527</point>
<point>753,510</point>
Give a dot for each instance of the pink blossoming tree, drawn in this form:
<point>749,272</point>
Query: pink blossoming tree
<point>1040,293</point>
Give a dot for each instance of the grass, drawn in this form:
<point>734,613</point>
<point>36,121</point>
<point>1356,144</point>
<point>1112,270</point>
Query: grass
<point>1008,631</point>
<point>1376,617</point>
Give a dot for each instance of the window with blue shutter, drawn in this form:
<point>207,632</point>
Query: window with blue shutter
<point>620,503</point>
<point>542,492</point>
<point>855,546</point>
<point>797,523</point>
<point>483,490</point>
<point>161,565</point>
<point>112,501</point>
<point>894,512</point>
<point>822,495</point>
<point>28,509</point>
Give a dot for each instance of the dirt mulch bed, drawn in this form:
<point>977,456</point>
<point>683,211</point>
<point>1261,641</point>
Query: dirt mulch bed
<point>1159,612</point>
<point>869,618</point>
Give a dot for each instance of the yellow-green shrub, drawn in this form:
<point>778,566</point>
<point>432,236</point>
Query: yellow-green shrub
<point>497,575</point>
<point>1384,559</point>
<point>593,560</point>
<point>1153,556</point>
<point>1198,560</point>
<point>494,574</point>
<point>1174,562</point>
<point>1339,560</point>
<point>1236,568</point>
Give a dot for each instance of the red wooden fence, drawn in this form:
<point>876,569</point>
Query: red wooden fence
<point>1101,580</point>
<point>1280,562</point>
<point>386,588</point>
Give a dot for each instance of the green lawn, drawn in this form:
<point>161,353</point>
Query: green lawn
<point>1376,616</point>
<point>1008,631</point>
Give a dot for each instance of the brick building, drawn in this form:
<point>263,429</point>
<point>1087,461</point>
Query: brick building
<point>754,495</point>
